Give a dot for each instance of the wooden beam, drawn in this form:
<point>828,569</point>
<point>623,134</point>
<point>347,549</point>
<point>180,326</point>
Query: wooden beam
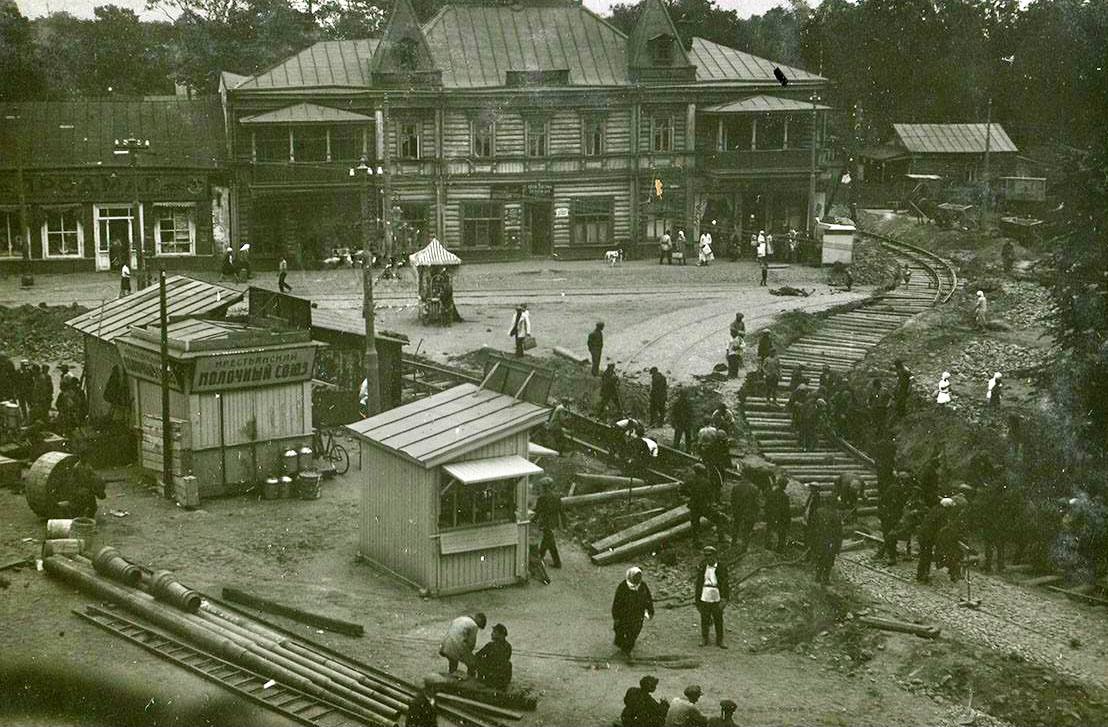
<point>888,624</point>
<point>642,545</point>
<point>629,493</point>
<point>667,519</point>
<point>264,604</point>
<point>526,381</point>
<point>488,376</point>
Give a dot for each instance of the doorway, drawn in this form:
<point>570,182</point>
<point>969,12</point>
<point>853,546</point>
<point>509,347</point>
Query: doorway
<point>538,220</point>
<point>113,236</point>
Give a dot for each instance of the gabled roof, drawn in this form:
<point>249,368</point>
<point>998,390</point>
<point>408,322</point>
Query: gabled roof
<point>185,297</point>
<point>231,80</point>
<point>195,337</point>
<point>762,103</point>
<point>715,62</point>
<point>653,23</point>
<point>402,28</point>
<point>436,429</point>
<point>340,63</point>
<point>65,134</point>
<point>306,113</point>
<point>476,45</point>
<point>952,138</point>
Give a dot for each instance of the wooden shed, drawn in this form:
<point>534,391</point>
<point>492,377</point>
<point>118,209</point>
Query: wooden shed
<point>444,489</point>
<point>185,297</point>
<point>239,398</point>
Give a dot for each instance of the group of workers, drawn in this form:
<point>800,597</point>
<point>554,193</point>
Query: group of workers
<point>642,709</point>
<point>31,387</point>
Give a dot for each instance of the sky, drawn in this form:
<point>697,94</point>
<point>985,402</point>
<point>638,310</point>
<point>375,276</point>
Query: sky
<point>83,8</point>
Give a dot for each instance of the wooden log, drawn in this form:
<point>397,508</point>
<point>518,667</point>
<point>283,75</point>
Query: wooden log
<point>264,604</point>
<point>667,519</point>
<point>1078,594</point>
<point>642,545</point>
<point>628,493</point>
<point>571,356</point>
<point>888,624</point>
<point>1042,581</point>
<point>852,545</point>
<point>609,480</point>
<point>870,536</point>
<point>480,706</point>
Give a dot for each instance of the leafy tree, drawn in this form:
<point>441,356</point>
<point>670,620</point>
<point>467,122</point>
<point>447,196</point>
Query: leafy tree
<point>21,78</point>
<point>122,54</point>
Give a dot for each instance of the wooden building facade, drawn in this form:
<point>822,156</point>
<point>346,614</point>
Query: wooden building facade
<point>75,201</point>
<point>507,130</point>
<point>445,489</point>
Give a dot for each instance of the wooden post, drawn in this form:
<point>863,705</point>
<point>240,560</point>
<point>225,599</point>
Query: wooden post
<point>372,370</point>
<point>167,437</point>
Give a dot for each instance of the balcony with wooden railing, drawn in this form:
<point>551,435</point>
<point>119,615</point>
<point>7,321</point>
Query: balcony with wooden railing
<point>763,162</point>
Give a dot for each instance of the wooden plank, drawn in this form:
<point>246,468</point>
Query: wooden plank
<point>1042,581</point>
<point>470,539</point>
<point>1078,594</point>
<point>264,604</point>
<point>642,545</point>
<point>887,624</point>
<point>629,493</point>
<point>667,519</point>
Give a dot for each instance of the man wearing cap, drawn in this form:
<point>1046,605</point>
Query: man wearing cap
<point>24,385</point>
<point>683,712</point>
<point>640,708</point>
<point>711,587</point>
<point>548,517</point>
<point>727,709</point>
<point>701,496</point>
<point>933,522</point>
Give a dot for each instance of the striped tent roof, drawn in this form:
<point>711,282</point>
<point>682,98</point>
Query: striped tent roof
<point>434,254</point>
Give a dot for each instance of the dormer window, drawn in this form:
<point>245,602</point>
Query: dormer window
<point>406,53</point>
<point>661,49</point>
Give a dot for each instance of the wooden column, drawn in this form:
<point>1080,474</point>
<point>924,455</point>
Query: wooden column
<point>440,174</point>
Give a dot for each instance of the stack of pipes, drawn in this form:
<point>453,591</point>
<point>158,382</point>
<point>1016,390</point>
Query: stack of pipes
<point>373,695</point>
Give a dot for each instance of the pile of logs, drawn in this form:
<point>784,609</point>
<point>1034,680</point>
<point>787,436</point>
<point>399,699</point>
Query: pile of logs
<point>367,692</point>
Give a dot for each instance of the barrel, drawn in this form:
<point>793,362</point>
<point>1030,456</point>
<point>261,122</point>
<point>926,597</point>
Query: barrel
<point>45,481</point>
<point>59,528</point>
<point>309,485</point>
<point>9,415</point>
<point>286,488</point>
<point>108,562</point>
<point>64,546</point>
<point>165,587</point>
<point>271,490</point>
<point>291,462</point>
<point>305,462</point>
<point>83,527</point>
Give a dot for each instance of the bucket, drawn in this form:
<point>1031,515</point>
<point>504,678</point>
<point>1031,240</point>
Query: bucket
<point>165,587</point>
<point>305,462</point>
<point>64,546</point>
<point>108,562</point>
<point>271,490</point>
<point>84,529</point>
<point>291,462</point>
<point>59,528</point>
<point>286,488</point>
<point>308,486</point>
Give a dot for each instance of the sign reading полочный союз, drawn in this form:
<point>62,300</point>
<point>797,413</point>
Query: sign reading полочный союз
<point>262,368</point>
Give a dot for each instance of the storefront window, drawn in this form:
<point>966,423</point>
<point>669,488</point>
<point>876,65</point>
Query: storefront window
<point>482,224</point>
<point>175,230</point>
<point>62,234</point>
<point>592,220</point>
<point>477,504</point>
<point>11,241</point>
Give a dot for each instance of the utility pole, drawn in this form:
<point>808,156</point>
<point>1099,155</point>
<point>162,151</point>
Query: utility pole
<point>132,147</point>
<point>988,145</point>
<point>27,279</point>
<point>167,439</point>
<point>812,171</point>
<point>386,184</point>
<point>372,369</point>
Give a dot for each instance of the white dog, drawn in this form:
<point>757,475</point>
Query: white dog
<point>614,257</point>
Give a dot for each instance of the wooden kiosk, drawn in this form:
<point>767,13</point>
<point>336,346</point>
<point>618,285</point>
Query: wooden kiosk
<point>445,482</point>
<point>435,266</point>
<point>239,398</point>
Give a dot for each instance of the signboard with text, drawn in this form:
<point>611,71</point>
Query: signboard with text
<point>145,364</point>
<point>251,370</point>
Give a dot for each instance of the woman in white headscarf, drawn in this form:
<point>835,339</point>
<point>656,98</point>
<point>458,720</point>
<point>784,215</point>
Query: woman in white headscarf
<point>995,388</point>
<point>631,605</point>
<point>980,308</point>
<point>942,394</point>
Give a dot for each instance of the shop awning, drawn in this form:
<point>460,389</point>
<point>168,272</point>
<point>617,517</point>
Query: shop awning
<point>495,468</point>
<point>763,104</point>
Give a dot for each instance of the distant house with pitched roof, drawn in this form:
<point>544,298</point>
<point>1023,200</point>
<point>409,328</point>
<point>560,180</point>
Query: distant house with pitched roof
<point>512,129</point>
<point>954,152</point>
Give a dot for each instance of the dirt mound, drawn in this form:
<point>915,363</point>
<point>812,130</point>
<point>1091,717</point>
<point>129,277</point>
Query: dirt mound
<point>39,333</point>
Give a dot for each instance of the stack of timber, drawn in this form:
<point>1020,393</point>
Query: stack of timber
<point>272,667</point>
<point>180,434</point>
<point>671,525</point>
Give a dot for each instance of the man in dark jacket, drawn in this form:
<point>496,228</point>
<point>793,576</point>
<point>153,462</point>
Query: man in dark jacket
<point>711,589</point>
<point>778,514</point>
<point>681,417</point>
<point>659,389</point>
<point>744,513</point>
<point>548,517</point>
<point>494,660</point>
<point>903,387</point>
<point>7,378</point>
<point>701,501</point>
<point>933,522</point>
<point>596,346</point>
<point>24,386</point>
<point>771,375</point>
<point>42,395</point>
<point>609,391</point>
<point>765,345</point>
<point>827,536</point>
<point>640,708</point>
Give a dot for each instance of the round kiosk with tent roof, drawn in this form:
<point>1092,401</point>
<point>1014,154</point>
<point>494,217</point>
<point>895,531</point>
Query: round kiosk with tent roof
<point>435,267</point>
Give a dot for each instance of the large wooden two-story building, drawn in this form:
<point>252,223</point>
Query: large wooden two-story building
<point>507,129</point>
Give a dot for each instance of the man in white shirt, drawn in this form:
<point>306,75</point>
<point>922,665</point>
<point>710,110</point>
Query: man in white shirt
<point>705,248</point>
<point>124,280</point>
<point>711,588</point>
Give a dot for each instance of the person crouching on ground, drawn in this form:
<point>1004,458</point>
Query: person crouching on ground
<point>632,604</point>
<point>726,716</point>
<point>640,708</point>
<point>684,711</point>
<point>494,660</point>
<point>460,640</point>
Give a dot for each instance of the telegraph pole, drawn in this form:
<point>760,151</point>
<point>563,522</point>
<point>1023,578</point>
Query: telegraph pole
<point>812,171</point>
<point>372,369</point>
<point>988,145</point>
<point>132,147</point>
<point>386,184</point>
<point>27,279</point>
<point>167,438</point>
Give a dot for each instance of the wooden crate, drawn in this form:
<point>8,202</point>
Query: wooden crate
<point>186,491</point>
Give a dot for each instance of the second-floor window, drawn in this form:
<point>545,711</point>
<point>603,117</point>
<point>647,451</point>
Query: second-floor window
<point>484,138</point>
<point>662,133</point>
<point>271,144</point>
<point>346,143</point>
<point>536,137</point>
<point>593,130</point>
<point>309,143</point>
<point>409,140</point>
<point>339,143</point>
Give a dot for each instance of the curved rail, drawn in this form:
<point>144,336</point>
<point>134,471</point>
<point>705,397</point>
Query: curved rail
<point>937,267</point>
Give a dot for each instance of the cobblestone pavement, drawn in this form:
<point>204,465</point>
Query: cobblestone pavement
<point>1037,625</point>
